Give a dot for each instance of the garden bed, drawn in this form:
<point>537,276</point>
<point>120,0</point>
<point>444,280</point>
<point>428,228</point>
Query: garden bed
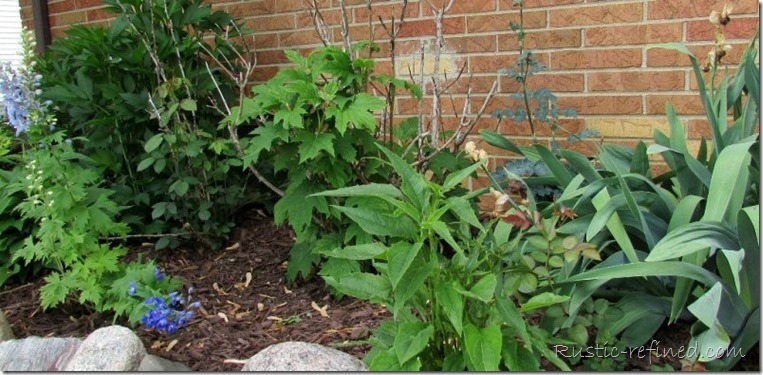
<point>208,340</point>
<point>209,343</point>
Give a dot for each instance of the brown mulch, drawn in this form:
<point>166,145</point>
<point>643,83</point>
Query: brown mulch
<point>236,320</point>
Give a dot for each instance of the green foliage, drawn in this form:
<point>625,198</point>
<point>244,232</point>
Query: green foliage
<point>681,234</point>
<point>316,128</point>
<point>443,275</point>
<point>149,116</point>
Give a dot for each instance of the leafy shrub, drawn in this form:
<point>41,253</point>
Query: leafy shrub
<point>443,275</point>
<point>316,128</point>
<point>149,115</point>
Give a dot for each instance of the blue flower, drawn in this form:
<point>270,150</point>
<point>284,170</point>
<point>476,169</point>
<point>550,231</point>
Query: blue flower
<point>158,274</point>
<point>133,288</point>
<point>169,313</point>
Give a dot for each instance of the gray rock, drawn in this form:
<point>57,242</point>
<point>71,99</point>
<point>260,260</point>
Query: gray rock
<point>37,354</point>
<point>113,348</point>
<point>302,356</point>
<point>5,329</point>
<point>159,364</point>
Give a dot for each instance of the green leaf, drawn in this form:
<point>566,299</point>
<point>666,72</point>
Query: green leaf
<point>369,190</point>
<point>517,358</point>
<point>361,285</point>
<point>262,139</point>
<point>554,166</point>
<point>145,164</point>
<point>542,300</point>
<point>290,119</point>
<point>729,174</point>
<point>484,289</point>
<point>615,226</point>
<point>378,223</point>
<point>454,179</point>
<point>313,144</point>
<point>451,302</point>
<point>411,282</point>
<point>461,208</point>
<point>693,237</point>
<point>358,113</point>
<point>162,243</point>
<point>643,269</point>
<point>411,339</point>
<point>358,252</point>
<point>443,231</point>
<point>188,105</point>
<point>204,215</point>
<point>513,318</point>
<point>498,140</point>
<point>401,256</point>
<point>154,142</point>
<point>483,347</point>
<point>707,306</point>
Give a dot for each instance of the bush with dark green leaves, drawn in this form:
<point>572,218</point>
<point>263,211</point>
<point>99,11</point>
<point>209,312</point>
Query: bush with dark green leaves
<point>141,93</point>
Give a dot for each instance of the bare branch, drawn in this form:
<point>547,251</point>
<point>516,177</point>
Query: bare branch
<point>318,22</point>
<point>345,29</point>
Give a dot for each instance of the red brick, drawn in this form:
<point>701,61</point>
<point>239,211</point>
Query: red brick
<point>596,15</point>
<point>467,44</point>
<point>602,105</point>
<point>501,22</point>
<point>427,27</point>
<point>509,4</point>
<point>662,9</point>
<point>97,14</point>
<point>543,39</point>
<point>688,104</point>
<point>493,63</point>
<point>587,59</point>
<point>251,8</point>
<point>738,28</point>
<point>636,81</point>
<point>270,23</point>
<point>556,82</point>
<point>386,12</point>
<point>665,57</point>
<point>630,35</point>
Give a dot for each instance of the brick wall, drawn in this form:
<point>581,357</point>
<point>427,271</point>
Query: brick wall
<point>596,50</point>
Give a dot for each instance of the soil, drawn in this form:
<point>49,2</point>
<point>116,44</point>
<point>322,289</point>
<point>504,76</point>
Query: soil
<point>241,316</point>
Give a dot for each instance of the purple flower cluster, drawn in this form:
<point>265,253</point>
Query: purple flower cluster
<point>168,313</point>
<point>168,317</point>
<point>19,95</point>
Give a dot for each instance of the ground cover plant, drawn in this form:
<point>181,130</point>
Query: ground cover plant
<point>149,130</point>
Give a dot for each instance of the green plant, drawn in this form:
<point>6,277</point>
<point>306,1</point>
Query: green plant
<point>442,273</point>
<point>316,128</point>
<point>696,223</point>
<point>53,200</point>
<point>150,117</point>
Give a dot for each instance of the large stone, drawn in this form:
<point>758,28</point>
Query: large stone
<point>113,348</point>
<point>37,354</point>
<point>5,329</point>
<point>302,356</point>
<point>158,364</point>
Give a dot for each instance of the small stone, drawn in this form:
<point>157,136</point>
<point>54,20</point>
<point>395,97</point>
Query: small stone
<point>5,329</point>
<point>302,356</point>
<point>37,354</point>
<point>158,364</point>
<point>113,348</point>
